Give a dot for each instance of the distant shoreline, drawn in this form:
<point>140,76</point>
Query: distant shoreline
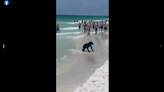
<point>84,15</point>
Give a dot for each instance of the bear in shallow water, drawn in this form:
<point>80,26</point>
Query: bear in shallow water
<point>87,46</point>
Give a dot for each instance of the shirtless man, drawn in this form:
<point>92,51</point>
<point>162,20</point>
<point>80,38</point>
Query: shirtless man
<point>96,27</point>
<point>89,29</point>
<point>74,20</point>
<point>105,25</point>
<point>101,26</point>
<point>84,25</point>
<point>57,28</point>
<point>79,25</point>
<point>93,24</point>
<point>97,23</point>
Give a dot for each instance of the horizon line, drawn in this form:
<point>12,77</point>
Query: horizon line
<point>81,15</point>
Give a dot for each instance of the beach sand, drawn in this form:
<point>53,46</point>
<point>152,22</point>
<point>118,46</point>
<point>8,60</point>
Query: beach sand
<point>76,69</point>
<point>98,81</point>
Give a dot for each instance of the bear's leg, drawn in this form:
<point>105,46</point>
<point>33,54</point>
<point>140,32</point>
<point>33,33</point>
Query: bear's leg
<point>88,50</point>
<point>83,49</point>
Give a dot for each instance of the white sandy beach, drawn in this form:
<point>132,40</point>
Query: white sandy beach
<point>98,81</point>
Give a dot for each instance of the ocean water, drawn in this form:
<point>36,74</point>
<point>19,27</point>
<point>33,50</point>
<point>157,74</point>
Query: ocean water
<point>65,40</point>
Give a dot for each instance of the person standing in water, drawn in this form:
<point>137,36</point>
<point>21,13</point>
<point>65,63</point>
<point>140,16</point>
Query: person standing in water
<point>74,20</point>
<point>84,25</point>
<point>96,27</point>
<point>82,21</point>
<point>93,24</point>
<point>77,20</point>
<point>79,25</point>
<point>101,26</point>
<point>89,29</point>
<point>57,28</point>
<point>97,23</point>
<point>105,25</point>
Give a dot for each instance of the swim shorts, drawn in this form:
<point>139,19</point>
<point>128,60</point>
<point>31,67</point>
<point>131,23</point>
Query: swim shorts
<point>79,27</point>
<point>101,27</point>
<point>96,29</point>
<point>88,29</point>
<point>93,26</point>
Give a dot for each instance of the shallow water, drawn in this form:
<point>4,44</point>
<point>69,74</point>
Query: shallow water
<point>69,32</point>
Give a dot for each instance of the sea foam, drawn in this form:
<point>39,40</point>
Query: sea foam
<point>67,33</point>
<point>69,28</point>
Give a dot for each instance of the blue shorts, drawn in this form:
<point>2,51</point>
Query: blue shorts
<point>84,28</point>
<point>88,29</point>
<point>57,30</point>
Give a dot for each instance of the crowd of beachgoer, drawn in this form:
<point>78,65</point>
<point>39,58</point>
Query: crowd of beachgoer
<point>87,26</point>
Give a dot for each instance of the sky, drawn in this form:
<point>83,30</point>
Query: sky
<point>82,7</point>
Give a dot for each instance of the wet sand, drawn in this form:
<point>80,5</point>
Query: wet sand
<point>74,70</point>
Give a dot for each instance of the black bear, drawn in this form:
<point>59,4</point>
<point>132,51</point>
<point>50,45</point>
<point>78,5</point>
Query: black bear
<point>87,46</point>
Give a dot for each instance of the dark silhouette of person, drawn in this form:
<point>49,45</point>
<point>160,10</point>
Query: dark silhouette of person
<point>87,46</point>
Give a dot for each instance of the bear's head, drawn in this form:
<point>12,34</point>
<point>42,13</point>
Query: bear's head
<point>91,43</point>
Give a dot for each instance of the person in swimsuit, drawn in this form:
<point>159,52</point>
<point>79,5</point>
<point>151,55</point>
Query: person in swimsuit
<point>89,29</point>
<point>79,25</point>
<point>105,26</point>
<point>57,28</point>
<point>96,26</point>
<point>86,28</point>
<point>101,26</point>
<point>84,25</point>
<point>97,23</point>
<point>93,24</point>
<point>82,21</point>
